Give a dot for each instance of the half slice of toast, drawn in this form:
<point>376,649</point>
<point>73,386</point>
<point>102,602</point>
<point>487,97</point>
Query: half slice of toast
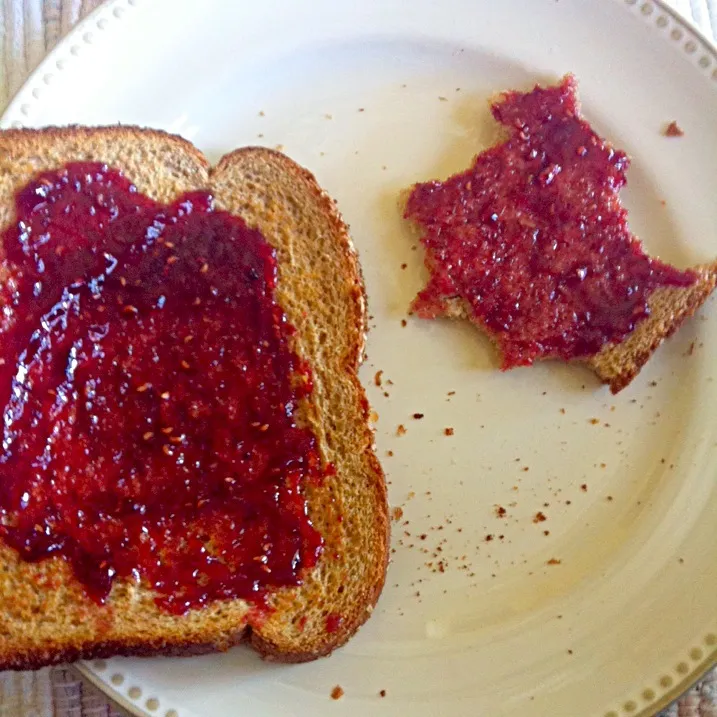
<point>45,615</point>
<point>531,244</point>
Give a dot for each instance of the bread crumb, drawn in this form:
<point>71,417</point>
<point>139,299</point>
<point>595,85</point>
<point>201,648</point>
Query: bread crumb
<point>546,532</point>
<point>562,410</point>
<point>279,147</point>
<point>500,511</point>
<point>584,487</point>
<point>373,417</point>
<point>673,130</point>
<point>401,430</point>
<point>540,517</point>
<point>397,513</point>
<point>377,378</point>
<point>448,431</point>
<point>403,266</point>
<point>389,454</point>
<point>328,116</point>
<point>553,561</point>
<point>451,393</point>
<point>594,421</point>
<point>418,416</point>
<point>488,538</point>
<point>403,322</point>
<point>443,99</point>
<point>337,693</point>
<point>382,693</point>
<point>361,109</point>
<point>262,113</point>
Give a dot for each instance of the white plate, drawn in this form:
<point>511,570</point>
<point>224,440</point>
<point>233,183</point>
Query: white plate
<point>629,616</point>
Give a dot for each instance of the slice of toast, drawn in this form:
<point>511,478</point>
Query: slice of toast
<point>45,616</point>
<point>531,244</point>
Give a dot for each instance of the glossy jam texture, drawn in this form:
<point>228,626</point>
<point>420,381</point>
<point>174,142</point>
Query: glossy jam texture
<point>533,238</point>
<point>148,393</point>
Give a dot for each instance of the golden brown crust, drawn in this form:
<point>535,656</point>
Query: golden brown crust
<point>45,617</point>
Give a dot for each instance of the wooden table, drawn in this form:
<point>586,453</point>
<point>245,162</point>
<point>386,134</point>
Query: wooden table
<point>31,28</point>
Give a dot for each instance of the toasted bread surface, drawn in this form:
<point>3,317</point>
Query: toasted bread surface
<point>45,616</point>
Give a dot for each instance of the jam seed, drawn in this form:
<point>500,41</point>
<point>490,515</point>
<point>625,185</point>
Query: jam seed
<point>143,387</point>
<point>167,430</point>
<point>204,269</point>
<point>172,259</point>
<point>184,364</point>
<point>165,395</point>
<point>188,338</point>
<point>148,435</point>
<point>130,310</point>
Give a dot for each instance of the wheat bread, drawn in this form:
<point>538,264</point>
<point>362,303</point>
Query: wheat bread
<point>45,616</point>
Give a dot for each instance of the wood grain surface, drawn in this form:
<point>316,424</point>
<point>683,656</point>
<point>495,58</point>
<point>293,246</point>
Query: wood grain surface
<point>31,28</point>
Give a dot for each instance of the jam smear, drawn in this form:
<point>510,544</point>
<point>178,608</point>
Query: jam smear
<point>149,394</point>
<point>533,238</point>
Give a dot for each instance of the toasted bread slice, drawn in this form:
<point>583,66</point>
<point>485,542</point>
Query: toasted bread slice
<point>45,616</point>
<point>530,226</point>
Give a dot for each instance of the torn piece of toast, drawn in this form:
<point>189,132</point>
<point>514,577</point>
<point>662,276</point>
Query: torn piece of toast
<point>532,245</point>
<point>46,615</point>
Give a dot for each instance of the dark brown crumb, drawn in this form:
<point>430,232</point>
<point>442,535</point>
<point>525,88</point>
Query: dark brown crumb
<point>553,561</point>
<point>610,498</point>
<point>562,410</point>
<point>570,652</point>
<point>361,109</point>
<point>377,378</point>
<point>546,532</point>
<point>401,430</point>
<point>389,454</point>
<point>526,469</point>
<point>540,517</point>
<point>397,513</point>
<point>404,322</point>
<point>448,431</point>
<point>382,693</point>
<point>403,266</point>
<point>673,130</point>
<point>500,511</point>
<point>584,487</point>
<point>337,693</point>
<point>488,538</point>
<point>594,421</point>
<point>451,393</point>
<point>691,349</point>
<point>418,416</point>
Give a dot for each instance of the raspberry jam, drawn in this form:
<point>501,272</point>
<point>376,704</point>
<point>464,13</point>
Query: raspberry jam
<point>533,238</point>
<point>148,393</point>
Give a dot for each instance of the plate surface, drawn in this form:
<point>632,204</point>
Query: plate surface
<point>373,96</point>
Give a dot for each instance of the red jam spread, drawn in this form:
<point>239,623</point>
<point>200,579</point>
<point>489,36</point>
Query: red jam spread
<point>149,394</point>
<point>533,238</point>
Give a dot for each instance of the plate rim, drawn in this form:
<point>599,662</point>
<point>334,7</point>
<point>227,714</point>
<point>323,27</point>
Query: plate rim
<point>91,28</point>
